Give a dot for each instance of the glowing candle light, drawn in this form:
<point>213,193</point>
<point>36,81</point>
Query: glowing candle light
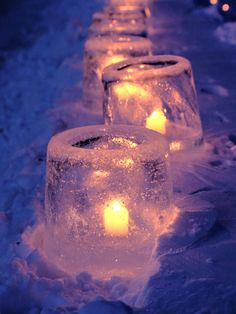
<point>110,59</point>
<point>116,219</point>
<point>131,89</point>
<point>103,51</point>
<point>157,92</point>
<point>157,121</point>
<point>108,197</point>
<point>175,146</point>
<point>225,7</point>
<point>213,2</point>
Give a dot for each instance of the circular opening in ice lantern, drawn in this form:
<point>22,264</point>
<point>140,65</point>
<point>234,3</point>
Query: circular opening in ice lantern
<point>147,66</point>
<point>107,142</point>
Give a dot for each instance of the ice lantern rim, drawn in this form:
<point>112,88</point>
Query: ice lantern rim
<point>136,5</point>
<point>118,43</point>
<point>61,145</point>
<point>114,72</point>
<point>109,14</point>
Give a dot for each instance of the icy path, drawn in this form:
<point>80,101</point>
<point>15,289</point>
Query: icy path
<point>40,95</point>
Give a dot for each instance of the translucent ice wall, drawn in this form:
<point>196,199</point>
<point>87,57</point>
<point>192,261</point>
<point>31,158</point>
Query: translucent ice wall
<point>123,15</point>
<point>157,92</point>
<point>108,197</point>
<point>119,27</point>
<point>101,52</point>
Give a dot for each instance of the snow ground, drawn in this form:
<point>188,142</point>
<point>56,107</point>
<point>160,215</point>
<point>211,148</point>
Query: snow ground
<point>40,95</point>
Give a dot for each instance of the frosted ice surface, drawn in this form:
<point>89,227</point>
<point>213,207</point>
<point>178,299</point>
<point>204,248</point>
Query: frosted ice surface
<point>94,172</point>
<point>101,52</point>
<point>157,92</point>
<point>126,16</point>
<point>119,27</point>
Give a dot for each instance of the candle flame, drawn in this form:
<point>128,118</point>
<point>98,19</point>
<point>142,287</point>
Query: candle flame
<point>157,121</point>
<point>116,219</point>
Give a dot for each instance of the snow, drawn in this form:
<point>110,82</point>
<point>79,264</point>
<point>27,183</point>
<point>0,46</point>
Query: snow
<point>194,271</point>
<point>227,33</point>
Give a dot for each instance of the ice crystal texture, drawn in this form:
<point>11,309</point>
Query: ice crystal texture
<point>108,196</point>
<point>119,27</point>
<point>103,51</point>
<point>157,92</point>
<point>133,17</point>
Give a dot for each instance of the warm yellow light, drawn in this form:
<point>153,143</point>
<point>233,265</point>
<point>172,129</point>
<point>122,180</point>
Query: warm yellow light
<point>175,146</point>
<point>116,219</point>
<point>130,89</point>
<point>213,2</point>
<point>100,174</point>
<point>124,142</point>
<point>125,163</point>
<point>97,177</point>
<point>157,121</point>
<point>113,59</point>
<point>108,61</point>
<point>225,7</point>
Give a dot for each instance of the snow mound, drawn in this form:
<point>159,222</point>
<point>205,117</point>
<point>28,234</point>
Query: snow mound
<point>227,33</point>
<point>106,308</point>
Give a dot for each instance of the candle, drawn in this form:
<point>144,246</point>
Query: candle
<point>157,121</point>
<point>116,219</point>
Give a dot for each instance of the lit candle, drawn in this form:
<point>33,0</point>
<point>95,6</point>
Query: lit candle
<point>116,219</point>
<point>157,121</point>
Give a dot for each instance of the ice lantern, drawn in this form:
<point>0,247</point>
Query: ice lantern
<point>103,51</point>
<point>125,16</point>
<point>108,196</point>
<point>118,28</point>
<point>157,92</point>
<point>131,5</point>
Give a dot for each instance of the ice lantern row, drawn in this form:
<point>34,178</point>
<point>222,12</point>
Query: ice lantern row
<point>103,51</point>
<point>157,92</point>
<point>108,196</point>
<point>126,16</point>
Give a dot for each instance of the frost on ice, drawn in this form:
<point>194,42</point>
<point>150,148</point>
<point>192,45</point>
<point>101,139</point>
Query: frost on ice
<point>157,92</point>
<point>108,196</point>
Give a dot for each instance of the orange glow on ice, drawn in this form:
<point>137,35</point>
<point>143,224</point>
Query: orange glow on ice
<point>129,89</point>
<point>157,121</point>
